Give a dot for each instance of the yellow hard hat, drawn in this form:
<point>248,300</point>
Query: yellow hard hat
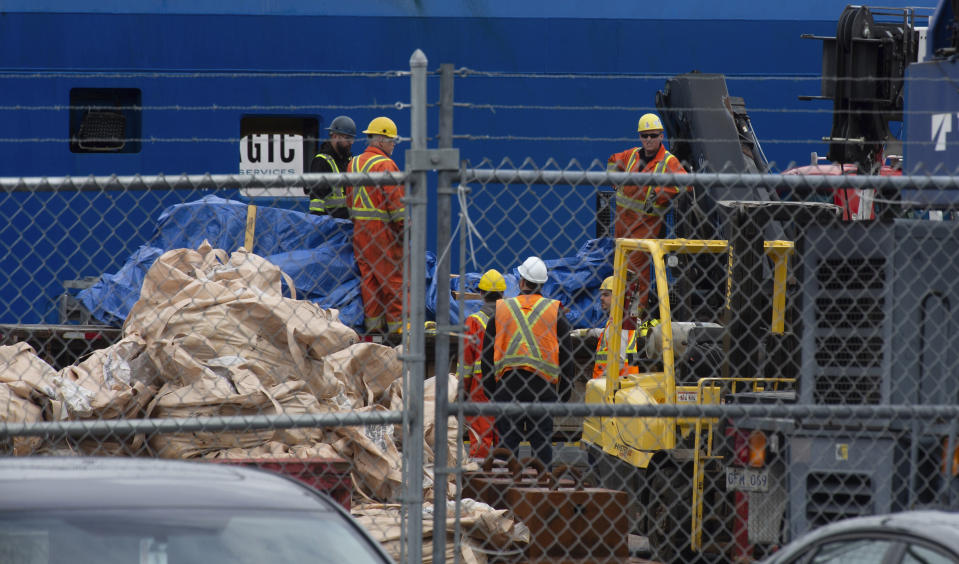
<point>607,284</point>
<point>492,281</point>
<point>381,126</point>
<point>650,122</point>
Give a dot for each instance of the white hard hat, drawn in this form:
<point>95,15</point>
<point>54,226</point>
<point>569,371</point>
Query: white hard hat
<point>534,270</point>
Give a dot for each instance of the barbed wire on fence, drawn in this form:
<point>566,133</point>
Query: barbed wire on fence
<point>203,74</point>
<point>211,107</point>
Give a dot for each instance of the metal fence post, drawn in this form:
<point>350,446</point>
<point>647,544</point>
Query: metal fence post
<point>414,363</point>
<point>443,326</point>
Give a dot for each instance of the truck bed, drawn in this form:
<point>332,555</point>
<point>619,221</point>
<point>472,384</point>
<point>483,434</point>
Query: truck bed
<point>61,345</point>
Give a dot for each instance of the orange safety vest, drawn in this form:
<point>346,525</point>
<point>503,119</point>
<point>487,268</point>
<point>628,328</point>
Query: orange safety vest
<point>632,347</point>
<point>526,336</point>
<point>646,202</point>
<point>602,352</point>
<point>362,206</point>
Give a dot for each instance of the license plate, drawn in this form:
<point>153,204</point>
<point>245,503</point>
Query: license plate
<point>746,479</point>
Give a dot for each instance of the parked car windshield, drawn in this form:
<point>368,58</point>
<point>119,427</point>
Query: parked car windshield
<point>180,536</point>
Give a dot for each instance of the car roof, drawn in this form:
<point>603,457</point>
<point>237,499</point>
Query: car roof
<point>118,483</point>
<point>938,527</point>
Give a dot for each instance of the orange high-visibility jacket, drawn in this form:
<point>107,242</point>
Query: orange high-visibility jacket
<point>632,347</point>
<point>649,200</point>
<point>526,336</point>
<point>473,349</point>
<point>375,203</point>
<point>602,351</point>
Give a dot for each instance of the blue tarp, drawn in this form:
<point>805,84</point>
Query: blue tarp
<point>315,251</point>
<point>574,281</point>
<point>113,296</point>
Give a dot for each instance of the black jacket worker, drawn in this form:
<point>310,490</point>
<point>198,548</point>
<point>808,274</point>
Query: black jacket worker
<point>333,156</point>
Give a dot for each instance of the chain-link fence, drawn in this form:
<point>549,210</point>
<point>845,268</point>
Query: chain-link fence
<point>820,345</point>
<point>207,317</point>
<point>703,363</point>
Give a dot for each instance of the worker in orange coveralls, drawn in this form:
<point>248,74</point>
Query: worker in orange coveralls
<point>640,209</point>
<point>482,430</point>
<point>377,213</point>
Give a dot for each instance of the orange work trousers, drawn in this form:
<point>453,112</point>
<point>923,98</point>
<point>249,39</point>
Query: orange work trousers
<point>632,225</point>
<point>378,250</point>
<point>481,428</point>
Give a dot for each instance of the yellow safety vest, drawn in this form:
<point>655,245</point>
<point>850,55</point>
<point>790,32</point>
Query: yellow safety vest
<point>337,196</point>
<point>644,329</point>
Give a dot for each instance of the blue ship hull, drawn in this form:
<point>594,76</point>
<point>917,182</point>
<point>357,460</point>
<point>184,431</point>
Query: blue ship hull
<point>200,70</point>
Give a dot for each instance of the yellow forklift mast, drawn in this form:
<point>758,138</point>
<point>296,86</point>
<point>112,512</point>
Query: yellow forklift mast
<point>638,440</point>
<point>635,439</point>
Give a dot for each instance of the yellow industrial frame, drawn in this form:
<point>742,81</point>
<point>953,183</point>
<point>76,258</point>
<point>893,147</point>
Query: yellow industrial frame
<point>778,251</point>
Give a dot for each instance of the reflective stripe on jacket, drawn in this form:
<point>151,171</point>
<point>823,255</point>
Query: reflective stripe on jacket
<point>641,333</point>
<point>526,336</point>
<point>632,348</point>
<point>649,200</point>
<point>363,206</point>
<point>602,351</point>
<point>477,368</point>
<point>336,198</point>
